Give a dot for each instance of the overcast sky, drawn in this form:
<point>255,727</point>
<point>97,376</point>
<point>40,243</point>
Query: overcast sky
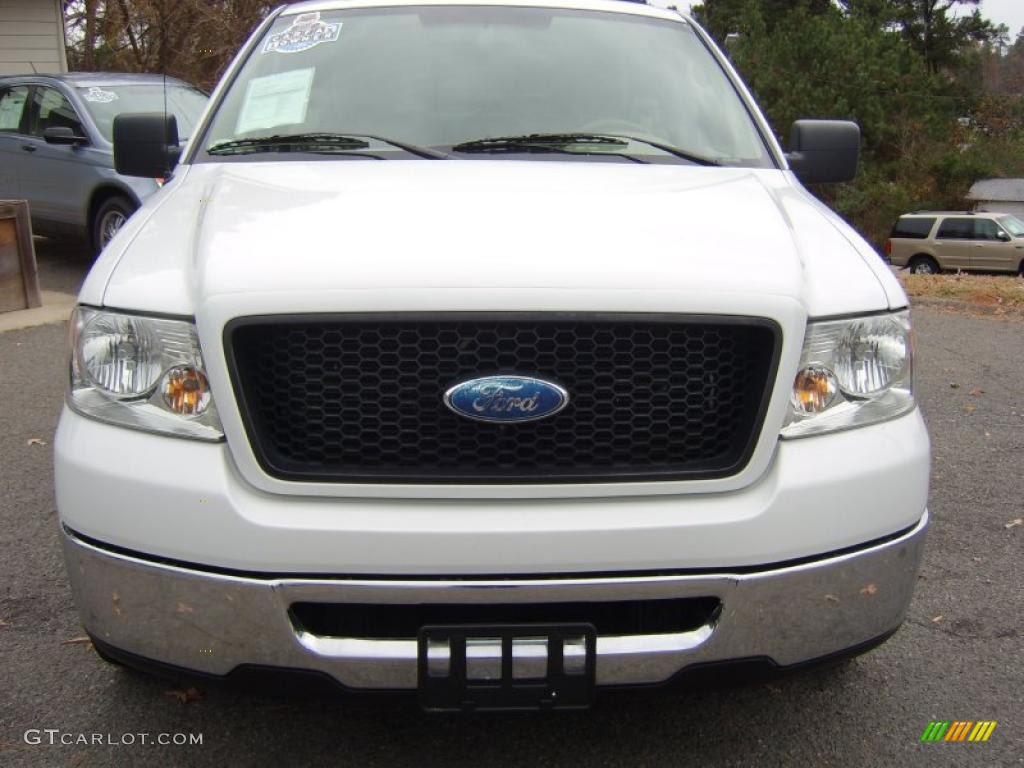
<point>1008,12</point>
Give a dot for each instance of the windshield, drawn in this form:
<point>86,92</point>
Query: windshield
<point>1013,225</point>
<point>442,76</point>
<point>105,102</point>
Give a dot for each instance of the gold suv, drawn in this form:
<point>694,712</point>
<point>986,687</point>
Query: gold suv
<point>930,241</point>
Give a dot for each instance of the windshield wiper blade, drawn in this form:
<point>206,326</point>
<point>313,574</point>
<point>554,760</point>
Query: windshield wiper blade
<point>554,141</point>
<point>314,142</point>
<point>681,153</point>
<point>287,143</point>
<point>412,149</point>
<point>531,140</point>
<point>548,142</point>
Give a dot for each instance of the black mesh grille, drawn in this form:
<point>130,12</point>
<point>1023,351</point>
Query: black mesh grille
<point>359,398</point>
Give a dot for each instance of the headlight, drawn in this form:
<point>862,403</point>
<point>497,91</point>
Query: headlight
<point>141,372</point>
<point>852,372</point>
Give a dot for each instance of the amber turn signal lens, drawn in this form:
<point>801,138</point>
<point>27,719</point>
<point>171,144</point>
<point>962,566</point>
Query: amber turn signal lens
<point>186,391</point>
<point>814,389</point>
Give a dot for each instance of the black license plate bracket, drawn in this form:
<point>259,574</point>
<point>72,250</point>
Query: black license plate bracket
<point>506,667</point>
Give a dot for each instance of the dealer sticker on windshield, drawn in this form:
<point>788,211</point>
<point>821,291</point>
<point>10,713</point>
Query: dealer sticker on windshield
<point>307,31</point>
<point>99,96</point>
<point>279,99</point>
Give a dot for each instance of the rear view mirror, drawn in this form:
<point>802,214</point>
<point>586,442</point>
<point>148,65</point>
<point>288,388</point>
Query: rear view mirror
<point>822,151</point>
<point>62,135</point>
<point>1000,235</point>
<point>146,144</point>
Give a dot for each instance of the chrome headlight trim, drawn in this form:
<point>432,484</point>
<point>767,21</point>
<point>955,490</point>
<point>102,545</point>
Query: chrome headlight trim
<point>119,344</point>
<point>871,358</point>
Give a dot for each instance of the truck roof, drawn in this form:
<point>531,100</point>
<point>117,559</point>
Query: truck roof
<point>86,79</point>
<point>662,9</point>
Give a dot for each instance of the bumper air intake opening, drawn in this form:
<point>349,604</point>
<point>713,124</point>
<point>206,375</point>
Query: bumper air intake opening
<point>402,622</point>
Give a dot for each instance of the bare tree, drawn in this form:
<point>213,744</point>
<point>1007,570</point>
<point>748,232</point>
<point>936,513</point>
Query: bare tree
<point>191,39</point>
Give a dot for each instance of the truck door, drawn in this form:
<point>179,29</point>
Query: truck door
<point>954,242</point>
<point>994,249</point>
<point>12,125</point>
<point>55,179</point>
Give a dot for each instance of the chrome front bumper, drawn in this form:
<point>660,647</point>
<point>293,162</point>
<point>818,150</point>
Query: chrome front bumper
<point>212,623</point>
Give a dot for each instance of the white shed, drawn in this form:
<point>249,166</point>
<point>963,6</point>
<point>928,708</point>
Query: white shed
<point>32,37</point>
<point>999,195</point>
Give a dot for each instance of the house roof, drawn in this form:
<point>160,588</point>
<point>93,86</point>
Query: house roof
<point>1003,190</point>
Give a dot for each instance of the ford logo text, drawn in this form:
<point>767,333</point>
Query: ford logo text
<point>504,399</point>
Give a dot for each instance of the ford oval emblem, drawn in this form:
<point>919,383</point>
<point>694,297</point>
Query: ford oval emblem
<point>505,399</point>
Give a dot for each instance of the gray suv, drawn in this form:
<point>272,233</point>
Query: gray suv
<point>56,151</point>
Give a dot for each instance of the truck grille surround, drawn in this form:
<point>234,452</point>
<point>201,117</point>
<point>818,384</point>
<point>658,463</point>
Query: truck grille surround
<point>359,398</point>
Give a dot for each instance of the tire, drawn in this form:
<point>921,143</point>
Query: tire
<point>102,653</point>
<point>110,217</point>
<point>923,265</point>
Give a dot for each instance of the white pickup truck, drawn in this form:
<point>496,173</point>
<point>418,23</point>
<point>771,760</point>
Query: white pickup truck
<point>491,350</point>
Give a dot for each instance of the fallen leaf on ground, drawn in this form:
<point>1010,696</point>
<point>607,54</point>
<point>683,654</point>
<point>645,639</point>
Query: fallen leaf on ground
<point>185,696</point>
<point>938,618</point>
<point>35,441</point>
<point>4,624</point>
<point>976,391</point>
<point>954,385</point>
<point>80,640</point>
<point>870,589</point>
<point>1012,523</point>
<point>970,408</point>
<point>832,598</point>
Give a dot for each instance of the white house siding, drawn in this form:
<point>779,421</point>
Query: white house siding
<point>998,196</point>
<point>1001,206</point>
<point>31,37</point>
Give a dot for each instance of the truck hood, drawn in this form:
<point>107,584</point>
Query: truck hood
<point>522,227</point>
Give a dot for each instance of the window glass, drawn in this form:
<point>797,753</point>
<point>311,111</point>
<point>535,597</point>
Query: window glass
<point>956,229</point>
<point>1013,225</point>
<point>985,229</point>
<point>53,110</point>
<point>442,75</point>
<point>913,229</point>
<point>106,102</point>
<point>12,105</point>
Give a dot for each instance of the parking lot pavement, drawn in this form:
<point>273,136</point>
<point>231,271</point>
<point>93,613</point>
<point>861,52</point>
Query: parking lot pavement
<point>958,657</point>
<point>62,266</point>
<point>61,269</point>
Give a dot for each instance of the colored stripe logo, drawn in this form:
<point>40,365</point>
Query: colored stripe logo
<point>958,730</point>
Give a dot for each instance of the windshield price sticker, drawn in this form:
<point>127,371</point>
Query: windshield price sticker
<point>273,100</point>
<point>307,31</point>
<point>99,96</point>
